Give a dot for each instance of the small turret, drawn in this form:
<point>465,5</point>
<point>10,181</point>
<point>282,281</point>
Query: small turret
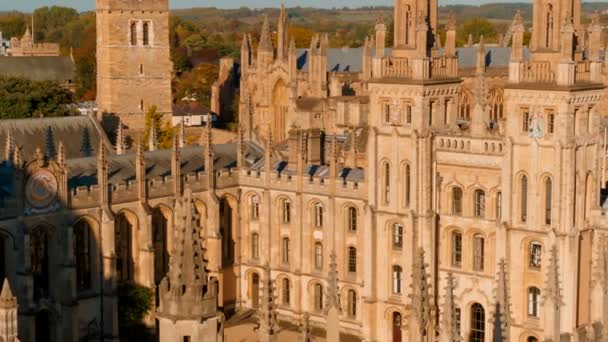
<point>245,54</point>
<point>380,36</point>
<point>450,36</point>
<point>517,47</point>
<point>8,314</point>
<point>282,38</point>
<point>265,48</point>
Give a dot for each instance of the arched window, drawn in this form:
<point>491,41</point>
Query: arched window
<point>159,240</point>
<point>39,256</point>
<point>285,250</point>
<point>352,219</point>
<point>318,289</point>
<point>133,33</point>
<point>548,195</point>
<point>532,339</point>
<point>407,185</point>
<point>456,249</point>
<point>352,304</point>
<point>478,252</point>
<point>548,26</point>
<point>352,260</point>
<point>318,208</point>
<point>255,246</point>
<point>499,205</point>
<point>286,207</point>
<point>464,107</point>
<point>480,203</point>
<point>534,302</point>
<point>254,202</point>
<point>535,254</point>
<point>478,323</point>
<point>146,34</point>
<point>456,201</point>
<point>82,253</point>
<point>496,104</point>
<point>123,248</point>
<point>397,279</point>
<point>408,24</point>
<point>286,294</point>
<point>397,236</point>
<point>386,183</point>
<point>524,198</point>
<point>318,256</point>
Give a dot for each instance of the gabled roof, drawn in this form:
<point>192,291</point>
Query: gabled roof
<point>48,68</point>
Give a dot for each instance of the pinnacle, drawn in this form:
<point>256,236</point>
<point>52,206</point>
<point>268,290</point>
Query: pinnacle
<point>6,291</point>
<point>265,41</point>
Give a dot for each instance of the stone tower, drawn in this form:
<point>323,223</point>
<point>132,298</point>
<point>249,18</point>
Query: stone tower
<point>133,60</point>
<point>188,299</point>
<point>8,314</point>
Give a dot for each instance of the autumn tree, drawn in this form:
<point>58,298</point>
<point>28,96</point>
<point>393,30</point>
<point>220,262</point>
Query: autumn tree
<point>21,98</point>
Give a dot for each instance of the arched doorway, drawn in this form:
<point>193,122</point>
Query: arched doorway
<point>255,290</point>
<point>396,327</point>
<point>39,256</point>
<point>280,101</point>
<point>123,235</point>
<point>160,226</point>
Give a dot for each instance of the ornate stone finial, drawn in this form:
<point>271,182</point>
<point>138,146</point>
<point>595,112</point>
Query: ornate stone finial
<point>333,290</point>
<point>265,39</point>
<point>380,19</point>
<point>552,286</point>
<point>306,335</point>
<point>17,159</point>
<point>153,138</point>
<point>502,309</point>
<point>450,320</point>
<point>567,23</point>
<point>420,296</point>
<point>38,155</point>
<point>50,150</point>
<point>595,18</point>
<point>451,24</point>
<point>518,19</point>
<point>421,22</point>
<point>8,314</point>
<point>120,139</point>
<point>9,148</point>
<point>61,155</point>
<point>7,300</point>
<point>470,40</point>
<point>267,315</point>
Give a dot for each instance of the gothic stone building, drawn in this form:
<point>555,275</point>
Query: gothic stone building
<point>431,192</point>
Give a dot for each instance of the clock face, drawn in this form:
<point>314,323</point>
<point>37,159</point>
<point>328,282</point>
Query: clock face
<point>41,189</point>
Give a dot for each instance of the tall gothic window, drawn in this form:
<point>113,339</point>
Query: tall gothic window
<point>352,219</point>
<point>286,291</point>
<point>397,270</point>
<point>534,302</point>
<point>285,251</point>
<point>550,122</point>
<point>548,195</point>
<point>386,183</point>
<point>352,304</point>
<point>318,208</point>
<point>318,256</point>
<point>255,246</point>
<point>548,26</point>
<point>478,323</point>
<point>524,198</point>
<point>456,249</point>
<point>397,236</point>
<point>456,200</point>
<point>496,104</point>
<point>123,248</point>
<point>352,260</point>
<point>318,291</point>
<point>499,205</point>
<point>408,24</point>
<point>286,211</point>
<point>82,253</point>
<point>133,33</point>
<point>146,33</point>
<point>478,252</point>
<point>480,203</point>
<point>407,179</point>
<point>535,254</point>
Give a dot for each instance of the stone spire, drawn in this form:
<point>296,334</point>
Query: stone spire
<point>265,39</point>
<point>421,298</point>
<point>450,328</point>
<point>517,31</point>
<point>293,60</point>
<point>61,155</point>
<point>8,314</point>
<point>470,40</point>
<point>268,324</point>
<point>187,299</point>
<point>481,57</point>
<point>380,36</point>
<point>120,139</point>
<point>333,308</point>
<point>9,147</point>
<point>50,150</point>
<point>502,309</point>
<point>153,138</point>
<point>140,171</point>
<point>102,174</point>
<point>176,166</point>
<point>246,54</point>
<point>283,28</point>
<point>552,298</point>
<point>182,134</point>
<point>209,156</point>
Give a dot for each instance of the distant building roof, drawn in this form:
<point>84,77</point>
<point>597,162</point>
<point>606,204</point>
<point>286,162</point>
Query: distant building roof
<point>57,68</point>
<point>187,108</point>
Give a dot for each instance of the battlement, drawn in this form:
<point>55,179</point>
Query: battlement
<point>133,5</point>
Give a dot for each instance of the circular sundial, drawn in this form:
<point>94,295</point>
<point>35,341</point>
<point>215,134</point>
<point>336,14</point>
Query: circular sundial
<point>41,189</point>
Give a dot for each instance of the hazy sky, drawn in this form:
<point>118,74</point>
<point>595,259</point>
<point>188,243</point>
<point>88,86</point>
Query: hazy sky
<point>28,5</point>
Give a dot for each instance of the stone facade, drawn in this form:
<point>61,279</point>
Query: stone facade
<point>26,47</point>
<point>408,194</point>
<point>134,66</point>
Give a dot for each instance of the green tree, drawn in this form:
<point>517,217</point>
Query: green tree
<point>476,27</point>
<point>21,98</point>
<point>134,302</point>
<point>13,24</point>
<point>50,22</point>
<point>197,83</point>
<point>164,131</point>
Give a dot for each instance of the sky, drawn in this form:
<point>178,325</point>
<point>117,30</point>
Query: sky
<point>83,5</point>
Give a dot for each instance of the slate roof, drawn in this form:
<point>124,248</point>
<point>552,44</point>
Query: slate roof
<point>350,59</point>
<point>28,134</point>
<point>47,68</point>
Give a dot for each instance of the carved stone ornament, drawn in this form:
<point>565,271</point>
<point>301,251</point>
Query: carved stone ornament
<point>41,192</point>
